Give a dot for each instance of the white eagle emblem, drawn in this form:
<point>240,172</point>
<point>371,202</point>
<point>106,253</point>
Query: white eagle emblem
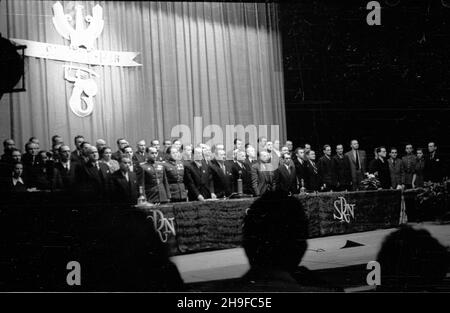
<point>79,36</point>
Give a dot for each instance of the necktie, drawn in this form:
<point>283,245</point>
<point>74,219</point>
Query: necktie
<point>314,167</point>
<point>357,160</point>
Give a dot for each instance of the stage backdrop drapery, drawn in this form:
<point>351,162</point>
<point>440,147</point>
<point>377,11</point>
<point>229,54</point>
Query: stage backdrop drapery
<point>220,61</point>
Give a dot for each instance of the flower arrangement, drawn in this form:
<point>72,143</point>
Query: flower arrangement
<point>370,182</point>
<point>433,200</point>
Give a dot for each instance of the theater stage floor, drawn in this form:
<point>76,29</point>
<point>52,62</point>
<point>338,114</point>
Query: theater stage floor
<point>322,254</point>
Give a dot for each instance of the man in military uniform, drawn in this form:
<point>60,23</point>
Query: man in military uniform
<point>175,175</point>
<point>409,165</point>
<point>154,179</point>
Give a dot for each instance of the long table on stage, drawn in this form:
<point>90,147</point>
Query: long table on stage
<point>211,225</point>
<point>39,220</point>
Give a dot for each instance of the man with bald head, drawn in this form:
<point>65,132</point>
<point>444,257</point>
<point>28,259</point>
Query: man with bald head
<point>140,156</point>
<point>100,144</point>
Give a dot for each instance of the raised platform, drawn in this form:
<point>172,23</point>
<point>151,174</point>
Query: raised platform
<point>342,267</point>
<point>191,227</point>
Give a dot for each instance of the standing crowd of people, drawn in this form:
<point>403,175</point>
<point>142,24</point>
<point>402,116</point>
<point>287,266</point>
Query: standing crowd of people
<point>183,172</point>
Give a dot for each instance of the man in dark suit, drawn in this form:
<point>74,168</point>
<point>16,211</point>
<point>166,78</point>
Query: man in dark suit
<point>285,178</point>
<point>124,184</point>
<point>31,164</point>
<point>44,177</point>
<point>409,165</point>
<point>92,178</point>
<point>135,166</point>
<point>76,155</point>
<point>140,157</point>
<point>154,179</point>
<point>312,176</point>
<point>121,144</point>
<point>357,163</point>
<point>262,174</point>
<point>251,157</point>
<point>241,170</point>
<point>16,155</point>
<point>8,145</point>
<point>341,169</point>
<point>237,144</point>
<point>64,171</point>
<point>381,168</point>
<point>326,169</point>
<point>396,169</point>
<point>300,164</point>
<point>198,178</point>
<point>290,147</point>
<point>221,174</point>
<point>434,170</point>
<point>30,157</point>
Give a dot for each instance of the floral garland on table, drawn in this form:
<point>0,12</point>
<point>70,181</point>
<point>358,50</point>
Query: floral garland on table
<point>434,200</point>
<point>370,182</point>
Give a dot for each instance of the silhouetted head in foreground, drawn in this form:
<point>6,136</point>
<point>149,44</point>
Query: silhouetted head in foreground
<point>412,260</point>
<point>130,256</point>
<point>275,232</point>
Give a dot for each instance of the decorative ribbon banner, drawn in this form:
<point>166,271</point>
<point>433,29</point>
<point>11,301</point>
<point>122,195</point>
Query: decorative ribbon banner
<point>65,53</point>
